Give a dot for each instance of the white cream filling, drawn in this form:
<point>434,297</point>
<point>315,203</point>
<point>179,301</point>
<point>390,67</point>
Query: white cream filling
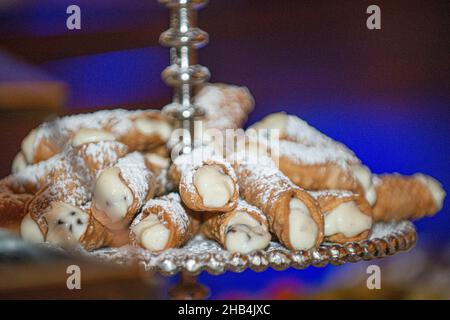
<point>66,224</point>
<point>435,188</point>
<point>245,234</point>
<point>86,135</point>
<point>29,230</point>
<point>151,233</point>
<point>150,127</point>
<point>214,187</point>
<point>303,230</point>
<point>19,163</point>
<point>364,177</point>
<point>157,160</point>
<point>347,219</point>
<point>111,195</point>
<point>28,146</point>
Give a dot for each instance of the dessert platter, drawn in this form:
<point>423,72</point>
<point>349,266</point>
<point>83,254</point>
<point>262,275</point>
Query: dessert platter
<point>120,185</point>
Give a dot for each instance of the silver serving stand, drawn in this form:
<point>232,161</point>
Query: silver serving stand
<point>204,255</point>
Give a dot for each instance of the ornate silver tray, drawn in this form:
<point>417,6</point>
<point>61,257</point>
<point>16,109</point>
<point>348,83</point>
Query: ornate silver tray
<point>204,255</point>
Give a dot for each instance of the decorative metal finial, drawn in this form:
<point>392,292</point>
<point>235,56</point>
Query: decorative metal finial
<point>184,74</point>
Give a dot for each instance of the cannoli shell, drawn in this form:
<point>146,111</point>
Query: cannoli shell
<point>277,211</point>
<point>179,234</point>
<point>265,187</point>
<point>95,236</point>
<point>133,209</point>
<point>324,176</point>
<point>401,197</point>
<point>137,141</point>
<point>215,225</point>
<point>329,201</point>
<point>192,199</point>
<point>45,149</point>
<point>94,157</point>
<point>12,209</point>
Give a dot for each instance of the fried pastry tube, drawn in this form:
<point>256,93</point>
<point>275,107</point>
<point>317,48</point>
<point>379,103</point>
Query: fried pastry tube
<point>207,182</point>
<point>293,215</point>
<point>242,230</point>
<point>120,191</point>
<point>58,214</point>
<point>163,223</point>
<point>313,160</point>
<point>139,130</point>
<point>226,106</point>
<point>320,167</point>
<point>88,159</point>
<point>159,166</point>
<point>347,216</point>
<point>407,197</point>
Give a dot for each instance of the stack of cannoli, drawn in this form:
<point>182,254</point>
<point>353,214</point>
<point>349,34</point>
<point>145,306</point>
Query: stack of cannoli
<point>110,178</point>
<point>141,130</point>
<point>314,161</point>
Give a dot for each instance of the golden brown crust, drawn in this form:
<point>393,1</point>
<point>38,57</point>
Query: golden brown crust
<point>44,150</point>
<point>278,215</point>
<point>136,141</point>
<point>402,197</point>
<point>12,209</point>
<point>319,176</point>
<point>273,199</point>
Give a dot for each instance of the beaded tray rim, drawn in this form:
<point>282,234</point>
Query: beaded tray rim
<point>402,237</point>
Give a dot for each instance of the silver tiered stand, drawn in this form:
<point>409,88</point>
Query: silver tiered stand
<point>184,75</point>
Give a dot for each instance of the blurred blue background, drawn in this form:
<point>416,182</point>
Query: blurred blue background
<point>384,93</point>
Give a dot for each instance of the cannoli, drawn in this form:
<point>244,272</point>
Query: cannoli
<point>59,214</point>
<point>163,223</point>
<point>319,167</point>
<point>86,159</point>
<point>91,158</point>
<point>407,197</point>
<point>66,225</point>
<point>313,160</point>
<point>148,130</point>
<point>121,190</point>
<point>242,230</point>
<point>347,216</point>
<point>159,166</point>
<point>139,130</point>
<point>292,128</point>
<point>293,215</point>
<point>226,106</point>
<point>207,182</point>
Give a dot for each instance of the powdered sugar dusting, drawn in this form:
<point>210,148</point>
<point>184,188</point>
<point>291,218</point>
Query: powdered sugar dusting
<point>134,171</point>
<point>339,194</point>
<point>315,154</point>
<point>60,130</point>
<point>170,205</point>
<point>245,206</point>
